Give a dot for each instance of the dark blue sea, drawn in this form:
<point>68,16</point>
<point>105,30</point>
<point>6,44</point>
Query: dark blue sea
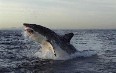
<point>17,53</point>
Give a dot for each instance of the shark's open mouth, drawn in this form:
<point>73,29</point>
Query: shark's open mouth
<point>28,30</point>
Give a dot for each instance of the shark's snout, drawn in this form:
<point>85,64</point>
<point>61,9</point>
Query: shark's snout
<point>29,25</point>
<point>26,24</point>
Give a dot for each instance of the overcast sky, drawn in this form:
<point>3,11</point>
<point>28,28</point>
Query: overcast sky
<point>73,14</point>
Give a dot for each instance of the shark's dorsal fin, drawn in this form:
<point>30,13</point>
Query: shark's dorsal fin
<point>67,37</point>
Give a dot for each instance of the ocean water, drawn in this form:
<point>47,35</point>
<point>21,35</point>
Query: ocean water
<point>17,53</point>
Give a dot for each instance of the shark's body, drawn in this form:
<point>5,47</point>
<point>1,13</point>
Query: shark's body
<point>50,40</point>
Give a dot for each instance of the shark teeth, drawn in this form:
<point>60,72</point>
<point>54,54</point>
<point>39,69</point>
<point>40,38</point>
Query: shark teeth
<point>29,30</point>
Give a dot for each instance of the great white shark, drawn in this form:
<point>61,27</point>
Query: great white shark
<point>50,40</point>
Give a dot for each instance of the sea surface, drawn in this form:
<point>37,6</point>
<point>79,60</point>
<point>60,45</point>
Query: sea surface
<point>17,53</point>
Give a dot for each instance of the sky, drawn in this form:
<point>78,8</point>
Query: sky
<point>59,14</point>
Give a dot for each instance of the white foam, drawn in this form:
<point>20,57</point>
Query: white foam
<point>85,53</point>
<point>60,55</point>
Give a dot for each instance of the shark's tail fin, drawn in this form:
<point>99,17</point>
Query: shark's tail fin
<point>67,37</point>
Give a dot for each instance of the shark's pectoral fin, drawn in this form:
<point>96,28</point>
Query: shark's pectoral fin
<point>49,46</point>
<point>67,37</point>
<point>52,49</point>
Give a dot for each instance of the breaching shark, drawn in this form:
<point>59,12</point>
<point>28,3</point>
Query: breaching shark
<point>50,41</point>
